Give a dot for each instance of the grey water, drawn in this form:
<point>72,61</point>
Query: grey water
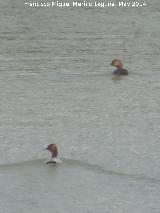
<point>56,86</point>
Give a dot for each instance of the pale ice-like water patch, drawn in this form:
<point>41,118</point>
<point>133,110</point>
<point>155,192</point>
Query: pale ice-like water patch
<point>74,186</point>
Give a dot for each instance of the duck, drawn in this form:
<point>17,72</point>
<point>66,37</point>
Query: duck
<point>119,65</point>
<point>54,153</point>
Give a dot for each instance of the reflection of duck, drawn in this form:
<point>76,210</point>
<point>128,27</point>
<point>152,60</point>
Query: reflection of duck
<point>119,65</point>
<point>54,151</point>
